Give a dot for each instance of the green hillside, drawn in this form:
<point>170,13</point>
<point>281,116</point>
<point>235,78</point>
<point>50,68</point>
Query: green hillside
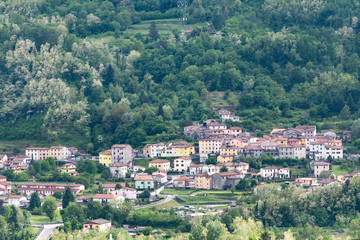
<point>91,73</point>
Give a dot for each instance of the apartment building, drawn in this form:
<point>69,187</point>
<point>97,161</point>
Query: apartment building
<point>210,145</point>
<point>105,157</point>
<point>37,154</point>
<point>182,164</point>
<point>203,181</point>
<point>153,150</point>
<point>122,153</point>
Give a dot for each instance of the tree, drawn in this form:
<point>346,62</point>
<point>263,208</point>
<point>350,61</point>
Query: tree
<point>49,207</point>
<point>325,174</point>
<point>197,231</point>
<point>223,169</point>
<point>35,201</point>
<point>150,170</point>
<point>243,185</point>
<point>153,31</point>
<point>345,113</point>
<point>215,229</point>
<point>74,214</point>
<point>118,186</point>
<point>355,128</point>
<point>57,195</point>
<point>106,174</point>
<point>67,197</point>
<point>210,160</point>
<point>145,194</point>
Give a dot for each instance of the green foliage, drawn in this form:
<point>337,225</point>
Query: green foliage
<point>35,201</point>
<point>223,169</point>
<point>211,160</point>
<point>57,195</point>
<point>49,207</point>
<point>73,216</point>
<point>68,197</point>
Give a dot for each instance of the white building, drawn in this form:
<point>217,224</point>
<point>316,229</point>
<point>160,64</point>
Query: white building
<point>37,153</point>
<point>320,167</point>
<point>182,164</point>
<point>118,170</point>
<point>274,172</point>
<point>17,200</point>
<point>228,115</point>
<point>153,150</point>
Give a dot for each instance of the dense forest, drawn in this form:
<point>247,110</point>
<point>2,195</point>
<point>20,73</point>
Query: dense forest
<point>71,72</point>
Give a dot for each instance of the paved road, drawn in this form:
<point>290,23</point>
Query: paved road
<point>167,199</point>
<point>47,231</point>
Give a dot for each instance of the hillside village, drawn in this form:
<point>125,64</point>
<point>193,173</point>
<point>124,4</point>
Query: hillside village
<point>213,162</point>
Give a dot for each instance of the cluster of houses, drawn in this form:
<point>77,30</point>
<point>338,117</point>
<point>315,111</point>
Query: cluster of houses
<point>56,152</point>
<point>299,142</point>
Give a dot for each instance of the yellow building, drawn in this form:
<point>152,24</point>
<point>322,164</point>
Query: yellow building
<point>68,168</point>
<point>161,164</point>
<point>211,145</point>
<point>225,158</point>
<point>229,150</point>
<point>185,150</point>
<point>203,181</point>
<point>105,157</point>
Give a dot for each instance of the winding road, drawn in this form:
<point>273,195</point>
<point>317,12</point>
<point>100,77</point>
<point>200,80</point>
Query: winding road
<point>47,230</point>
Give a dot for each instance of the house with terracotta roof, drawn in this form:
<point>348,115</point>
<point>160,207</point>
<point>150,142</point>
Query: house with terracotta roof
<point>153,150</point>
<point>343,177</point>
<point>101,225</point>
<point>122,153</point>
<point>105,157</point>
<point>319,167</point>
<point>110,187</point>
<point>159,178</point>
<point>225,180</point>
<point>105,198</point>
<point>306,181</point>
<point>224,158</point>
<point>126,192</point>
<point>59,152</point>
<point>3,178</point>
<point>17,200</point>
<point>227,115</point>
<point>161,164</point>
<point>182,164</point>
<point>203,181</point>
<point>274,172</point>
<point>182,182</point>
<point>211,145</point>
<point>69,168</point>
<point>144,182</point>
<point>48,189</point>
<point>37,153</point>
<point>118,170</point>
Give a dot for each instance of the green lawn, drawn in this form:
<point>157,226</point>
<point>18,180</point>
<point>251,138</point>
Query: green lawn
<point>201,199</point>
<point>168,205</point>
<point>142,162</point>
<point>336,169</point>
<point>39,219</point>
<point>177,191</point>
<point>224,194</point>
<point>164,26</point>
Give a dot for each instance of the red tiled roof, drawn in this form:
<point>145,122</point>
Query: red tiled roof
<point>105,196</point>
<point>16,196</point>
<point>223,174</point>
<point>106,152</point>
<point>321,163</point>
<point>143,177</point>
<point>119,145</point>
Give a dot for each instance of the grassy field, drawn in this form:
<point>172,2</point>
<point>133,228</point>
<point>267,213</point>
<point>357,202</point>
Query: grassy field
<point>224,194</point>
<point>201,199</point>
<point>168,205</point>
<point>336,169</point>
<point>39,219</point>
<point>142,162</point>
<point>8,146</point>
<point>164,26</point>
<point>177,191</point>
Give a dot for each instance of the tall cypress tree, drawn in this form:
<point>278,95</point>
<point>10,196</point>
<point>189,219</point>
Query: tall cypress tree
<point>35,201</point>
<point>153,31</point>
<point>67,197</point>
